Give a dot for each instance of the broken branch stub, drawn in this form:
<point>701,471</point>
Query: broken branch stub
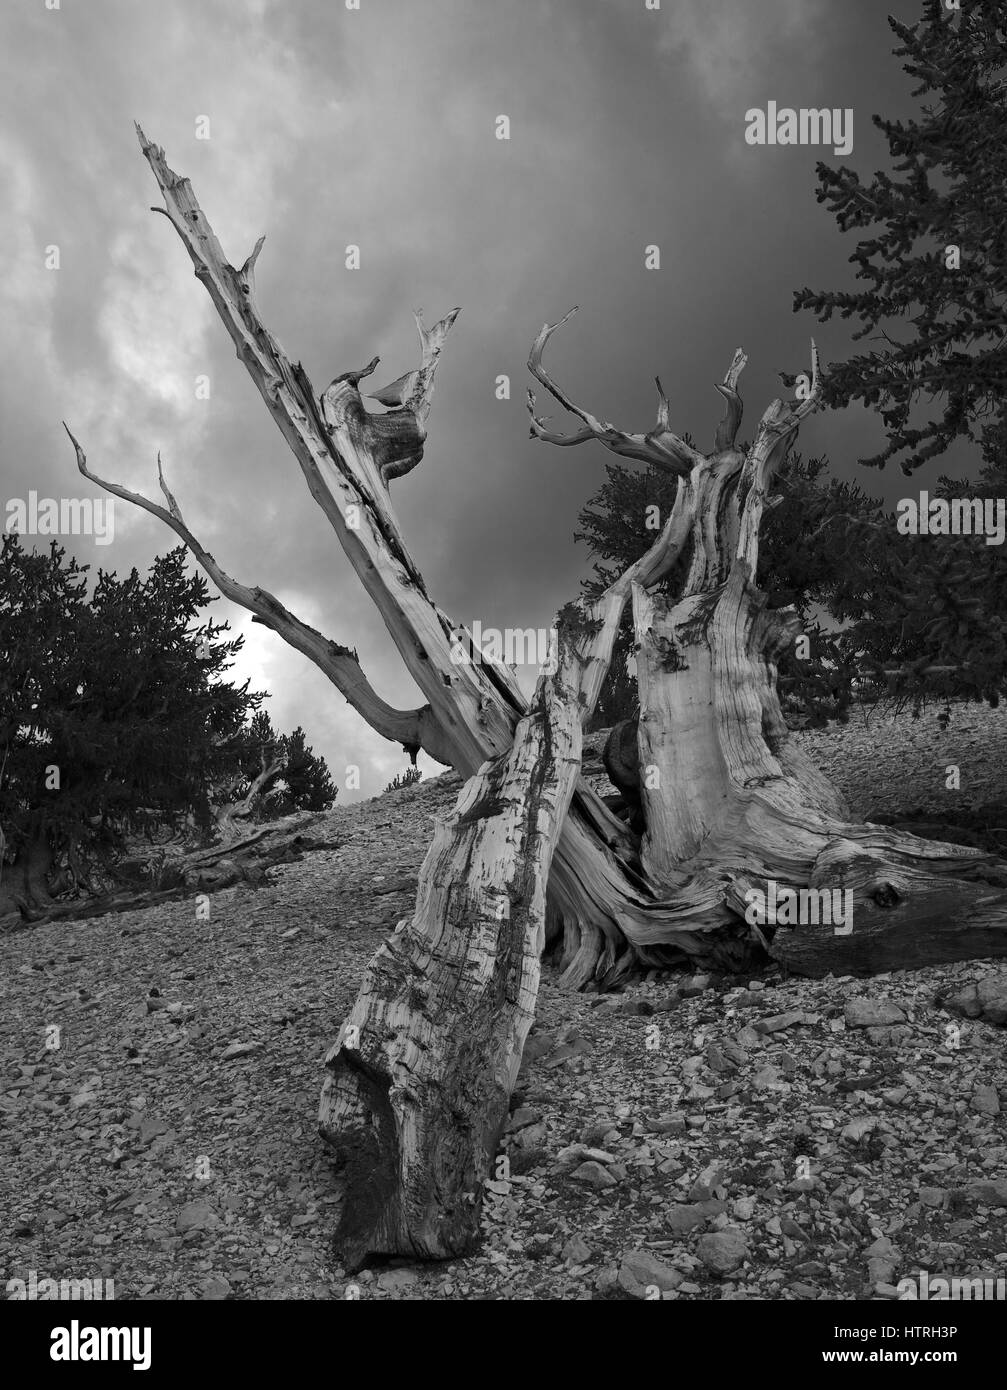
<point>394,440</point>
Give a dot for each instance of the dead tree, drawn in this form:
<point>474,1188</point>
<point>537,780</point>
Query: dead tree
<point>532,858</point>
<point>227,811</point>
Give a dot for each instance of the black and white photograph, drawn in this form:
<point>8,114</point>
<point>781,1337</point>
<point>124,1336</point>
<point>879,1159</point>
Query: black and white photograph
<point>503,646</point>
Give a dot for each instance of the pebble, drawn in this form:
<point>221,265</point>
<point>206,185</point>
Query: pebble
<point>872,1013</point>
<point>723,1251</point>
<point>640,1270</point>
<point>594,1175</point>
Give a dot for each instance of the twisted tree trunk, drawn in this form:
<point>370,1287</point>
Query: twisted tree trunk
<point>226,814</point>
<point>734,815</point>
<point>418,1080</point>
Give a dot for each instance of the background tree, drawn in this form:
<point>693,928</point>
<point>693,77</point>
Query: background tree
<point>42,601</point>
<point>408,778</point>
<point>277,775</point>
<point>935,265</point>
<point>113,719</point>
<point>307,783</point>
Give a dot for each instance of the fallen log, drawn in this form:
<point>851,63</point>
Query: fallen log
<point>186,876</point>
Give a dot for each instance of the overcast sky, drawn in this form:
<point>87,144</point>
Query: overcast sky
<point>376,126</point>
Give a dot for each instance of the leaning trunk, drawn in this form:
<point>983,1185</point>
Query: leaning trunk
<point>421,1075</point>
<point>422,1072</point>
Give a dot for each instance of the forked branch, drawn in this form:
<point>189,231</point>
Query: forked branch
<point>660,446</point>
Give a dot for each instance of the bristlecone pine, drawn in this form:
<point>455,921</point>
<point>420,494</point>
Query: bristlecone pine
<point>418,1081</point>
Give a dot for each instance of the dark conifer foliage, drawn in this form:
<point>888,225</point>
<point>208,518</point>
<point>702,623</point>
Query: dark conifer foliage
<point>943,329</point>
<point>927,616</point>
<point>114,719</point>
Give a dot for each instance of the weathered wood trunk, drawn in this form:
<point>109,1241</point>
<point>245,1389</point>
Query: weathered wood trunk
<point>24,884</point>
<point>425,1063</point>
<point>730,803</point>
<point>418,1081</point>
<point>734,815</point>
<point>227,815</point>
<point>421,1075</point>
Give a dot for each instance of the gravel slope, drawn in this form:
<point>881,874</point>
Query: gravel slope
<point>749,1143</point>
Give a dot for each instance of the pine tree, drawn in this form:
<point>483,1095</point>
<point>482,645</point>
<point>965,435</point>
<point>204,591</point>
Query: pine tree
<point>112,719</point>
<point>411,775</point>
<point>307,785</point>
<point>936,268</point>
<point>937,257</point>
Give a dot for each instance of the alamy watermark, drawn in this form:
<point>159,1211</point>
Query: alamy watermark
<point>791,907</point>
<point>808,125</point>
<point>931,1289</point>
<point>76,1343</point>
<point>69,516</point>
<point>515,646</point>
<point>65,1290</point>
<point>959,516</point>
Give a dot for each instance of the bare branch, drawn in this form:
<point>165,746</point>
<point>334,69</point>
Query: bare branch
<point>663,407</point>
<point>346,458</point>
<point>370,449</point>
<point>355,377</point>
<point>814,398</point>
<point>228,812</point>
<point>412,728</point>
<point>776,433</point>
<point>660,446</point>
<point>538,430</point>
<point>539,372</point>
<point>727,430</point>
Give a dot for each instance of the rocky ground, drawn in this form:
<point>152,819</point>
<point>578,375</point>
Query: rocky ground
<point>695,1138</point>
